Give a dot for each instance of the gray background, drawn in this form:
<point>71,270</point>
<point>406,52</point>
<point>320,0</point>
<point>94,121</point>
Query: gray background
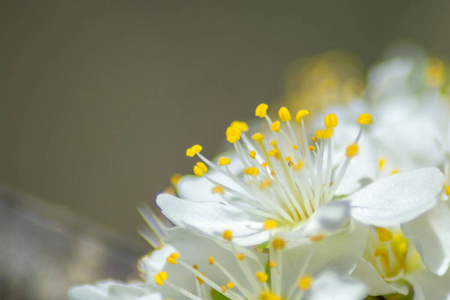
<point>100,99</point>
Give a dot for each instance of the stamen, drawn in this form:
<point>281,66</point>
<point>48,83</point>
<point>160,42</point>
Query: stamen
<point>261,110</point>
<point>284,114</point>
<point>193,150</point>
<point>305,283</point>
<point>384,235</point>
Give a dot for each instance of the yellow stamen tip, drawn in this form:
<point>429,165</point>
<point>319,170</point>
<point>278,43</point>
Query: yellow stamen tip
<point>233,134</point>
<point>228,235</point>
<point>284,114</point>
<point>275,153</point>
<point>295,147</point>
<point>384,235</point>
<point>252,154</point>
<point>278,243</point>
<point>272,264</point>
<point>259,137</point>
<point>324,134</point>
<point>381,164</point>
<point>223,161</point>
<point>262,277</point>
<point>300,115</point>
<point>311,148</point>
<point>223,289</point>
<point>447,191</point>
<point>395,171</point>
<point>160,277</point>
<point>218,190</point>
<point>193,150</point>
<point>352,150</point>
<point>175,179</point>
<point>314,139</point>
<point>251,171</point>
<point>172,258</point>
<point>365,119</point>
<point>330,121</point>
<point>305,283</point>
<point>240,256</point>
<point>211,260</point>
<point>317,237</point>
<point>230,285</point>
<point>276,126</point>
<point>241,125</point>
<point>299,165</point>
<point>200,169</point>
<point>261,110</point>
<point>270,224</point>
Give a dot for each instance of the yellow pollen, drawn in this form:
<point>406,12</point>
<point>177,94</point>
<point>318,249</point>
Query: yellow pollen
<point>261,110</point>
<point>233,134</point>
<point>175,179</point>
<point>228,235</point>
<point>299,165</point>
<point>211,260</point>
<point>223,289</point>
<point>172,259</point>
<point>383,255</point>
<point>284,114</point>
<point>265,295</point>
<point>317,237</point>
<point>352,150</point>
<point>160,277</point>
<point>290,164</point>
<point>381,164</point>
<point>395,171</point>
<point>300,114</point>
<point>272,264</point>
<point>295,147</point>
<point>273,143</point>
<point>265,184</point>
<point>200,169</point>
<point>218,190</point>
<point>435,72</point>
<point>230,285</point>
<point>278,243</point>
<point>305,283</point>
<point>262,277</point>
<point>251,171</point>
<point>314,139</point>
<point>324,134</point>
<point>198,172</point>
<point>200,281</point>
<point>170,190</point>
<point>276,126</point>
<point>252,154</point>
<point>240,256</point>
<point>365,119</point>
<point>259,137</point>
<point>273,173</point>
<point>270,224</point>
<point>223,161</point>
<point>447,191</point>
<point>264,164</point>
<point>330,121</point>
<point>287,158</point>
<point>311,148</point>
<point>384,235</point>
<point>193,150</point>
<point>241,125</point>
<point>275,153</point>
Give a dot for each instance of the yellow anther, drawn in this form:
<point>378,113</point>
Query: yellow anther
<point>160,277</point>
<point>275,153</point>
<point>276,126</point>
<point>270,224</point>
<point>305,283</point>
<point>228,235</point>
<point>384,235</point>
<point>240,256</point>
<point>259,137</point>
<point>381,164</point>
<point>314,139</point>
<point>223,161</point>
<point>218,190</point>
<point>317,238</point>
<point>223,289</point>
<point>252,154</point>
<point>200,281</point>
<point>261,110</point>
<point>300,115</point>
<point>265,295</point>
<point>211,260</point>
<point>273,143</point>
<point>272,264</point>
<point>311,148</point>
<point>324,134</point>
<point>265,184</point>
<point>299,165</point>
<point>284,114</point>
<point>175,179</point>
<point>200,169</point>
<point>262,277</point>
<point>352,150</point>
<point>230,285</point>
<point>251,171</point>
<point>330,121</point>
<point>172,259</point>
<point>383,255</point>
<point>233,134</point>
<point>447,191</point>
<point>365,119</point>
<point>198,172</point>
<point>193,150</point>
<point>241,125</point>
<point>295,147</point>
<point>170,190</point>
<point>278,243</point>
<point>287,158</point>
<point>435,72</point>
<point>395,171</point>
<point>264,164</point>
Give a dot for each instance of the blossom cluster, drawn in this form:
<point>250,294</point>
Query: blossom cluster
<point>348,203</point>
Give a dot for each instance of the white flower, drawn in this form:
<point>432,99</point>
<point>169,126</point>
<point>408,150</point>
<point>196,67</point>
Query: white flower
<point>112,290</point>
<point>294,183</point>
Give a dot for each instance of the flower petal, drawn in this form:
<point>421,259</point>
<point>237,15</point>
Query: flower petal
<point>398,198</point>
<point>329,286</point>
<point>428,286</point>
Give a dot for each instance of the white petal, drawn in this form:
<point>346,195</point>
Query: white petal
<point>329,286</point>
<point>398,198</point>
<point>87,292</point>
<point>430,234</point>
<point>367,273</point>
<point>213,218</point>
<point>428,286</point>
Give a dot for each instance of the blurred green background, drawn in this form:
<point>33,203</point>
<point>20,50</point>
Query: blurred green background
<point>100,99</point>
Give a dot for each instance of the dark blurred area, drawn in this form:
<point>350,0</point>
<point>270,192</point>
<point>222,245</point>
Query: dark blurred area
<point>100,99</point>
